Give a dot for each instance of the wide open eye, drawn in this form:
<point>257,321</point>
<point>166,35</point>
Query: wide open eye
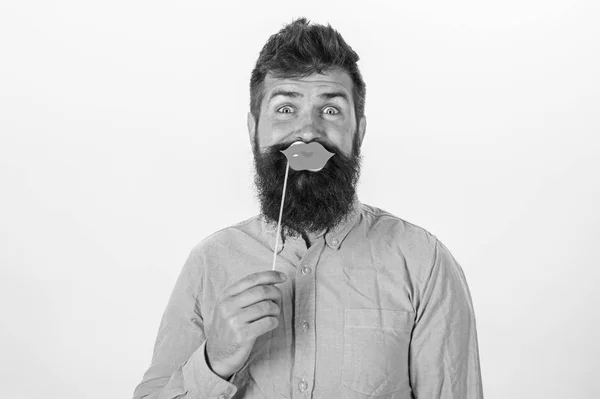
<point>329,110</point>
<point>286,109</point>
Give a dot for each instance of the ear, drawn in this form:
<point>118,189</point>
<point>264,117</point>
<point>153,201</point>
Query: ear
<point>362,128</point>
<point>251,123</point>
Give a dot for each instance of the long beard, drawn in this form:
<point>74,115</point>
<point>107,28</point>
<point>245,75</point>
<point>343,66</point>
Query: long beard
<point>313,200</point>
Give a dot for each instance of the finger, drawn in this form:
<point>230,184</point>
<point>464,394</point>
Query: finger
<point>262,326</point>
<point>258,294</point>
<point>259,310</point>
<point>264,277</point>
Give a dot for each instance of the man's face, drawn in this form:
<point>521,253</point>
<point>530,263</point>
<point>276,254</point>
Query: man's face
<point>306,109</point>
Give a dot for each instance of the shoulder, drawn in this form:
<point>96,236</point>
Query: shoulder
<point>415,244</point>
<point>223,241</point>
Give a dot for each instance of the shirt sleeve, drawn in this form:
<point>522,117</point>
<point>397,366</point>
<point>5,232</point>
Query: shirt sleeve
<point>444,354</point>
<point>179,367</point>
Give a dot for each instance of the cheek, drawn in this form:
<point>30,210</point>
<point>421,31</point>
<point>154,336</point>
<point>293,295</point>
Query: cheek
<point>272,131</point>
<point>342,139</point>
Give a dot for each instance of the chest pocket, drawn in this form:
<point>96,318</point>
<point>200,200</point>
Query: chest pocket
<point>376,344</point>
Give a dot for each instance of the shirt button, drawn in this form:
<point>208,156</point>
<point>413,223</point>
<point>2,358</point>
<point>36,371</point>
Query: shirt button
<point>306,270</point>
<point>334,241</point>
<point>304,325</point>
<point>302,385</point>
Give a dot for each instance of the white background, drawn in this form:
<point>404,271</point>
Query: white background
<point>123,143</point>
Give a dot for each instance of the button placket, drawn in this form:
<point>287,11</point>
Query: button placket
<point>305,308</point>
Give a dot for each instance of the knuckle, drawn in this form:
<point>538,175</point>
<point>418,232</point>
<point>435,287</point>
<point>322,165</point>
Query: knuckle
<point>242,331</point>
<point>250,332</point>
<point>264,307</point>
<point>273,307</point>
<point>240,335</point>
<point>224,308</point>
<point>233,324</point>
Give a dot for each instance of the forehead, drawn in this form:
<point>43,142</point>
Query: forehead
<point>335,80</point>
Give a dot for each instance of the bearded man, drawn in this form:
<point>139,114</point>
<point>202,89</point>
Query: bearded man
<point>362,304</point>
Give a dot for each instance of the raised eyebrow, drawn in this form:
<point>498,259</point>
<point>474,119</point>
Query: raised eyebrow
<point>335,94</point>
<point>285,93</point>
<point>295,94</point>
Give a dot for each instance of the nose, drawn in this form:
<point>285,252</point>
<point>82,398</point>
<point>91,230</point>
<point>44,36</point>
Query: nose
<point>310,128</point>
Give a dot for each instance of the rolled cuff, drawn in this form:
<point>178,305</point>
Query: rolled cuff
<point>201,380</point>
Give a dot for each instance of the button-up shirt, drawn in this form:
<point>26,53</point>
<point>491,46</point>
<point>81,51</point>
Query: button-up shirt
<point>375,308</point>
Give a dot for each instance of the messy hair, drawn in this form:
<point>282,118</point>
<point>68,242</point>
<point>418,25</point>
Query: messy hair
<point>299,50</point>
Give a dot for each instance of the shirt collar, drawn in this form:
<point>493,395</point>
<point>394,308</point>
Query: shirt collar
<point>333,238</point>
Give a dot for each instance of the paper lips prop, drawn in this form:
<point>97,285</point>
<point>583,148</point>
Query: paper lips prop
<point>312,156</point>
